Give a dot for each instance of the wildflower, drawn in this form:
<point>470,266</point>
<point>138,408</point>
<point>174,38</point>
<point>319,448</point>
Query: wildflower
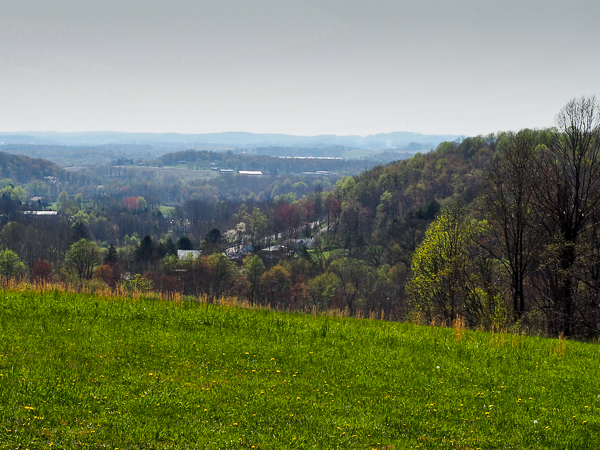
<point>535,421</point>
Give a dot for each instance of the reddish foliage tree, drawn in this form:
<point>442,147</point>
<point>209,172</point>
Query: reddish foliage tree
<point>110,273</point>
<point>41,271</point>
<point>131,202</point>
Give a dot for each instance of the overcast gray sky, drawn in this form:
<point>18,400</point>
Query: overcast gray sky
<point>294,66</point>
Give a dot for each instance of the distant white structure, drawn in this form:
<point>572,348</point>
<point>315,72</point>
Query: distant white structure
<point>336,158</point>
<point>320,173</point>
<point>250,172</point>
<point>40,213</point>
<point>187,254</point>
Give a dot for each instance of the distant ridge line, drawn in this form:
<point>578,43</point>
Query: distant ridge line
<point>229,138</point>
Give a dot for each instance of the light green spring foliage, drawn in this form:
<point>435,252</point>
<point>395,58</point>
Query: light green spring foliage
<point>82,258</point>
<point>141,202</point>
<point>11,265</point>
<point>36,188</point>
<point>253,268</point>
<point>322,288</point>
<point>137,283</point>
<point>63,198</point>
<point>16,193</point>
<point>83,372</point>
<point>439,284</point>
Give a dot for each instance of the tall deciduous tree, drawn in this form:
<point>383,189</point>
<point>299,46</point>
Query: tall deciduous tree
<point>439,283</point>
<point>276,284</point>
<point>257,224</point>
<point>509,202</point>
<point>253,269</point>
<point>322,288</point>
<point>41,271</point>
<point>222,273</point>
<point>568,194</point>
<point>11,265</point>
<point>356,280</point>
<point>82,258</point>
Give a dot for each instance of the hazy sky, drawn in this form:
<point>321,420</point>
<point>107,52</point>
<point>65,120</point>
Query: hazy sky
<point>294,66</point>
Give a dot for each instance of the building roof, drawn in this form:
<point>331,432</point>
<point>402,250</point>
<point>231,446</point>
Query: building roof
<point>183,254</point>
<point>40,213</point>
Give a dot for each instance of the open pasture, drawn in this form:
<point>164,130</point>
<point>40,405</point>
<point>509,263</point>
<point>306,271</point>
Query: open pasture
<point>78,371</point>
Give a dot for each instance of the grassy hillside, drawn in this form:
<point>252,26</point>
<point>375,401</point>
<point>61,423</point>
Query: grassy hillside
<point>79,371</point>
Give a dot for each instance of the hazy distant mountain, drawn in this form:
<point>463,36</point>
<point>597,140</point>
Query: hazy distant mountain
<point>233,139</point>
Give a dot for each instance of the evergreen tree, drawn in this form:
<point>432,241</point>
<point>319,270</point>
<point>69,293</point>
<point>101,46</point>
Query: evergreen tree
<point>111,255</point>
<point>80,231</point>
<point>184,243</point>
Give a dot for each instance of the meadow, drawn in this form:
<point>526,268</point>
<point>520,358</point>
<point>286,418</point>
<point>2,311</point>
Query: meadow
<point>79,371</point>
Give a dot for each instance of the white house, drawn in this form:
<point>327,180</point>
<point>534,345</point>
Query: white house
<point>187,254</point>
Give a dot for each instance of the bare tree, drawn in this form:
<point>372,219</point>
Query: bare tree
<point>508,199</point>
<point>568,195</point>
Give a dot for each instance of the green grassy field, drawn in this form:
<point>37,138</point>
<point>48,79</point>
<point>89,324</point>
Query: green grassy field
<point>168,210</point>
<point>79,371</point>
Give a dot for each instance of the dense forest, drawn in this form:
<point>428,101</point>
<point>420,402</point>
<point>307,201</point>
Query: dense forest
<point>497,231</point>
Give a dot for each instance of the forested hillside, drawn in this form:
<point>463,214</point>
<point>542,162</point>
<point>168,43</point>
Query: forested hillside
<point>23,169</point>
<point>346,246</point>
<point>391,205</point>
<point>497,231</point>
